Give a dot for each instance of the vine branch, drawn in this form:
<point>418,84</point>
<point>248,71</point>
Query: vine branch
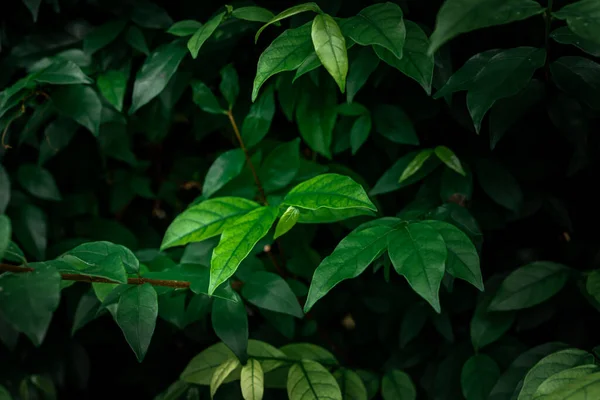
<point>92,279</point>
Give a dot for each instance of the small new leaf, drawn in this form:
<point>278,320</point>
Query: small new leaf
<point>287,221</point>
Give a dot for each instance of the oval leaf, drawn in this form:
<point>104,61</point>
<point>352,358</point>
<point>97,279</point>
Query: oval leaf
<point>397,385</point>
<point>252,380</point>
<point>330,46</point>
<point>310,380</point>
<point>287,221</point>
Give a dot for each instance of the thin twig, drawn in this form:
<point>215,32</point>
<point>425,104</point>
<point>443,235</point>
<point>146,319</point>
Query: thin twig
<point>94,279</point>
<point>248,159</point>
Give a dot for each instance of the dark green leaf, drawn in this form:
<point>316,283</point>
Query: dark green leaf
<point>269,291</point>
<point>360,69</point>
<point>135,37</point>
<point>285,53</point>
<point>460,16</point>
<point>300,8</point>
<point>230,85</point>
<point>530,285</point>
<point>330,47</point>
<point>316,115</point>
<point>57,135</point>
<point>449,158</point>
<point>113,84</point>
<point>39,182</point>
<point>478,377</point>
<point>34,7</point>
<point>488,326</point>
<point>156,72</point>
<point>103,35</point>
<point>230,322</point>
<point>236,243</point>
<point>254,14</point>
<point>454,184</point>
<point>63,73</point>
<point>205,220</point>
<point>203,33</point>
<point>389,181</point>
<point>499,184</point>
<point>397,385</point>
<point>30,227</point>
<point>418,253</point>
<point>583,18</point>
<point>393,123</point>
<point>416,62</point>
<point>28,300</point>
<point>287,221</point>
<point>379,25</point>
<point>205,99</point>
<point>95,254</point>
<point>4,189</point>
<point>150,15</point>
<point>412,323</point>
<point>360,132</point>
<point>5,234</point>
<point>258,121</point>
<point>136,316</point>
<point>184,28</point>
<point>82,104</point>
<point>564,35</point>
<point>310,380</point>
<point>86,311</point>
<point>280,167</point>
<point>579,77</point>
<point>225,168</point>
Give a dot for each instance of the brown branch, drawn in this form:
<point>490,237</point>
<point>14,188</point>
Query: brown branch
<point>248,160</point>
<point>94,279</point>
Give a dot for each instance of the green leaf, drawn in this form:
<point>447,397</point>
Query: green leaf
<point>592,284</point>
<point>203,33</point>
<point>252,380</point>
<point>149,15</point>
<point>258,121</point>
<point>254,14</point>
<point>221,373</point>
<point>287,221</point>
<point>488,326</point>
<point>349,259</point>
<point>5,234</point>
<point>30,227</point>
<point>281,166</point>
<point>33,6</point>
<point>584,388</point>
<point>87,310</point>
<point>236,243</point>
<point>552,387</point>
<point>360,132</point>
<point>461,16</point>
<point>504,388</point>
<point>184,28</point>
<point>300,8</point>
<point>389,181</point>
<point>82,104</point>
<point>351,385</point>
<point>136,316</point>
<point>57,134</point>
<point>463,78</point>
<point>308,351</point>
<point>412,323</point>
<point>310,380</point>
<point>39,182</point>
<point>530,285</point>
<point>360,70</point>
<point>583,18</point>
<point>101,36</point>
<point>416,62</point>
<point>379,25</point>
<point>205,99</point>
<point>499,184</point>
<point>415,165</point>
<point>397,385</point>
<point>393,123</point>
<point>156,73</point>
<point>4,190</point>
<point>450,159</point>
<point>285,53</point>
<point>330,46</point>
<point>63,73</point>
<point>28,300</point>
<point>506,73</point>
<point>579,77</point>
<point>94,255</point>
<point>269,291</point>
<point>201,368</point>
<point>418,252</point>
<point>316,115</point>
<point>113,84</point>
<point>205,220</point>
<point>136,39</point>
<point>230,85</point>
<point>550,365</point>
<point>230,322</point>
<point>564,35</point>
<point>329,191</point>
<point>463,260</point>
<point>454,184</point>
<point>478,376</point>
<point>222,171</point>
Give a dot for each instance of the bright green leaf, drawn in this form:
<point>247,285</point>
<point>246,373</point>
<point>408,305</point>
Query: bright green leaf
<point>201,368</point>
<point>310,380</point>
<point>236,243</point>
<point>287,221</point>
<point>449,158</point>
<point>113,84</point>
<point>415,165</point>
<point>562,380</point>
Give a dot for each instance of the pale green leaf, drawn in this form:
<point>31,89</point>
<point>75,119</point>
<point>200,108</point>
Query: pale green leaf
<point>309,380</point>
<point>415,165</point>
<point>287,221</point>
<point>560,381</point>
<point>252,380</point>
<point>221,373</point>
<point>201,368</point>
<point>330,47</point>
<point>236,243</point>
<point>351,385</point>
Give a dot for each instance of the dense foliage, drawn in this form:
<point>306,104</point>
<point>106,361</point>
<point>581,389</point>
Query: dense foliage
<point>342,200</point>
